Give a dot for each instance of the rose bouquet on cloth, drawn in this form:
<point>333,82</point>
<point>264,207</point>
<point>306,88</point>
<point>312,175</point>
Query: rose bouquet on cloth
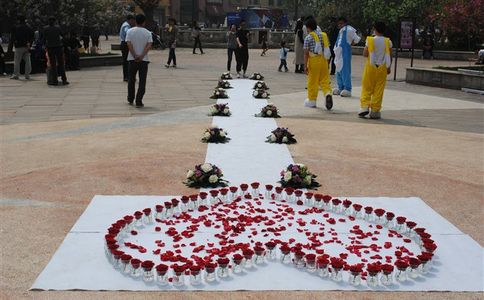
<point>298,176</point>
<point>223,84</point>
<point>219,93</point>
<point>215,134</point>
<point>260,94</point>
<point>260,85</point>
<point>257,76</point>
<point>205,175</point>
<point>226,76</point>
<point>281,135</point>
<point>269,111</point>
<point>221,110</point>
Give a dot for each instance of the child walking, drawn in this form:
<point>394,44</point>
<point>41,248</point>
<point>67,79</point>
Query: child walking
<point>283,57</point>
<point>316,55</point>
<point>377,67</point>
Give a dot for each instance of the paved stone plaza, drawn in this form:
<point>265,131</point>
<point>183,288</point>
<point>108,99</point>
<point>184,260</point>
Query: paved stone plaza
<point>60,146</point>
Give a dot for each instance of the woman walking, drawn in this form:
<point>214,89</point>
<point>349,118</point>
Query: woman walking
<point>298,47</point>
<point>231,45</point>
<point>171,34</point>
<point>196,37</point>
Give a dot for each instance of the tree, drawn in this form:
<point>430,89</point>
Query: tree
<point>148,7</point>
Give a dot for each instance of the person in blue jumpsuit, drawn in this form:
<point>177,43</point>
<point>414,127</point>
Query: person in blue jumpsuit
<point>346,38</point>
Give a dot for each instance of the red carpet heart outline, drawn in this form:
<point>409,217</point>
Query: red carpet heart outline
<point>268,229</point>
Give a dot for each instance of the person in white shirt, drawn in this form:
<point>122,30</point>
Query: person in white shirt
<point>346,38</point>
<point>139,41</point>
<point>130,22</point>
<point>378,50</point>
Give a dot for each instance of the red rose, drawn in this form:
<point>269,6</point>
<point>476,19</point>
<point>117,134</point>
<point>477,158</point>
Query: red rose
<point>387,269</point>
<point>357,207</point>
<point>368,209</point>
<point>346,203</point>
<point>233,189</point>
<point>237,258</point>
<point>223,262</point>
<point>401,265</point>
<point>373,269</point>
<point>425,257</point>
<point>419,230</point>
<point>300,202</point>
<point>322,262</point>
<point>299,254</point>
<point>390,216</point>
<point>270,245</point>
<point>138,215</point>
<point>126,258</point>
<point>224,191</point>
<point>210,267</point>
<point>401,220</point>
<point>174,202</point>
<point>379,212</point>
<point>135,263</point>
<point>327,198</point>
<point>255,185</point>
<point>414,262</point>
<point>337,263</point>
<point>411,224</point>
<point>244,187</point>
<point>279,189</point>
<point>168,205</point>
<point>430,247</point>
<point>308,195</point>
<point>298,193</point>
<point>214,193</point>
<point>203,195</point>
<point>185,199</point>
<point>310,258</point>
<point>161,269</point>
<point>194,197</point>
<point>195,270</point>
<point>259,250</point>
<point>178,269</point>
<point>336,202</point>
<point>318,197</point>
<point>147,211</point>
<point>248,253</point>
<point>289,191</point>
<point>159,208</point>
<point>147,265</point>
<point>356,269</point>
<point>269,187</point>
<point>285,249</point>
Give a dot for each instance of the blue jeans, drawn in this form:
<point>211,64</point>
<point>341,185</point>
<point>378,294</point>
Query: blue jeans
<point>230,53</point>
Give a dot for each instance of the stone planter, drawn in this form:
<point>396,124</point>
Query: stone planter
<point>445,78</point>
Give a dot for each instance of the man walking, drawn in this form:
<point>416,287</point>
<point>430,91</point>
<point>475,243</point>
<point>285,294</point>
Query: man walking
<point>242,51</point>
<point>139,41</point>
<point>22,38</point>
<point>196,37</point>
<point>130,22</point>
<point>346,38</point>
<point>53,43</point>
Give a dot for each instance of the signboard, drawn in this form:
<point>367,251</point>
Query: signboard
<point>406,35</point>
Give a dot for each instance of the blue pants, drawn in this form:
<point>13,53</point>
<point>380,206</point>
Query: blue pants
<point>344,76</point>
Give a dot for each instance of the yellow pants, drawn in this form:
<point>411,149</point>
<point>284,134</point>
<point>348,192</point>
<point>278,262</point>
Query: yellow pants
<point>318,76</point>
<point>372,86</point>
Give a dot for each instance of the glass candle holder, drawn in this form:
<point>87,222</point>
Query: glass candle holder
<point>270,250</point>
<point>138,219</point>
<point>298,260</point>
<point>259,255</point>
<point>125,263</point>
<point>162,274</point>
<point>386,278</point>
<point>323,270</point>
<point>178,279</point>
<point>372,280</point>
<point>147,217</point>
<point>336,206</point>
<point>401,274</point>
<point>159,212</point>
<point>268,192</point>
<point>135,267</point>
<point>195,275</point>
<point>233,192</point>
<point>210,272</point>
<point>248,255</point>
<point>148,275</point>
<point>310,262</point>
<point>355,278</point>
<point>238,261</point>
<point>336,274</point>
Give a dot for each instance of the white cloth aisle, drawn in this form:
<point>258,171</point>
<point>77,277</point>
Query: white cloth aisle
<point>247,157</point>
<point>80,262</point>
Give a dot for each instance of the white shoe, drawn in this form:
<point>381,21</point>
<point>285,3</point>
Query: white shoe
<point>308,103</point>
<point>238,75</point>
<point>363,112</point>
<point>345,93</point>
<point>336,92</point>
<point>14,77</point>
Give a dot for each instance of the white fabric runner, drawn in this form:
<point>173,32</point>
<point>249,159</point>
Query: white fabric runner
<point>80,262</point>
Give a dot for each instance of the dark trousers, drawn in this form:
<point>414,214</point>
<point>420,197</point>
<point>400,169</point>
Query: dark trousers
<point>331,61</point>
<point>199,43</point>
<point>242,58</point>
<point>230,53</point>
<point>124,52</point>
<point>142,69</point>
<point>283,64</point>
<point>95,42</point>
<point>85,41</point>
<point>2,64</point>
<point>56,58</point>
<point>172,56</point>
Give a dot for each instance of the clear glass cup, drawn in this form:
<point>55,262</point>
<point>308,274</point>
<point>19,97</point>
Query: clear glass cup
<point>148,275</point>
<point>386,279</point>
<point>323,271</point>
<point>372,280</point>
<point>401,275</point>
<point>162,278</point>
<point>195,277</point>
<point>178,279</point>
<point>354,279</point>
<point>210,275</point>
<point>336,274</point>
<point>223,271</point>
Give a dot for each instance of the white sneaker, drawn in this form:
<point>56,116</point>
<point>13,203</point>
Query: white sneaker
<point>345,93</point>
<point>363,112</point>
<point>308,103</point>
<point>238,75</point>
<point>14,77</point>
<point>336,92</point>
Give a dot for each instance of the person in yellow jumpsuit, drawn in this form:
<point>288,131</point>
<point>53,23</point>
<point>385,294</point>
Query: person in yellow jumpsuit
<point>316,56</point>
<point>377,67</point>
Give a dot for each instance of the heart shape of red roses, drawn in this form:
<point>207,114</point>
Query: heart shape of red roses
<point>244,228</point>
